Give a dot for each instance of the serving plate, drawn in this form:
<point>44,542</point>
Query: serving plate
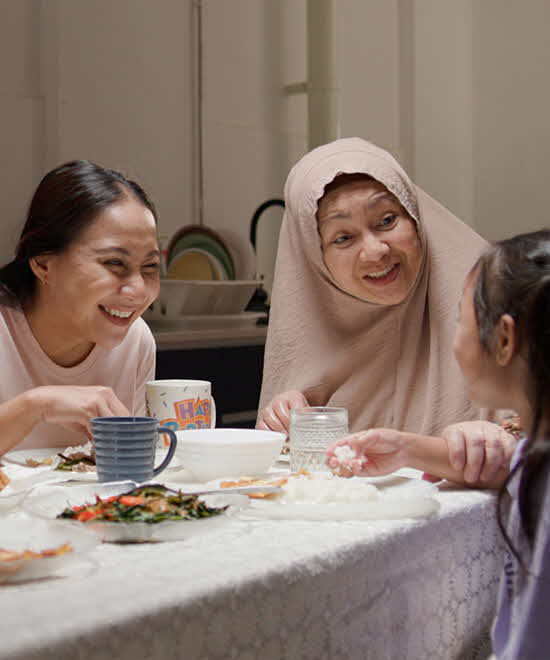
<point>398,498</point>
<point>38,535</point>
<point>49,501</point>
<point>12,495</point>
<point>20,456</point>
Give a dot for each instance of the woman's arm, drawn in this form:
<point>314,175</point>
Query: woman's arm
<point>18,417</point>
<point>72,407</point>
<point>381,451</point>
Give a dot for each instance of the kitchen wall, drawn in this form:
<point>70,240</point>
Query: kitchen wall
<point>512,111</point>
<point>21,114</point>
<point>108,81</point>
<point>457,91</point>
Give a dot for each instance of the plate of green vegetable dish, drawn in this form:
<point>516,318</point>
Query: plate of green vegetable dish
<point>126,512</point>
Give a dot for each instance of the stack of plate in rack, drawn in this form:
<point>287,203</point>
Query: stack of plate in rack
<point>196,252</point>
<point>196,304</point>
<point>200,289</point>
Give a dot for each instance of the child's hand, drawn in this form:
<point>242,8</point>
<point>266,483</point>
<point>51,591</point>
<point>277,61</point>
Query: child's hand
<point>377,452</point>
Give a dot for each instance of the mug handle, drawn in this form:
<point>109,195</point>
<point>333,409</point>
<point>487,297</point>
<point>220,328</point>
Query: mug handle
<point>212,413</point>
<point>171,449</point>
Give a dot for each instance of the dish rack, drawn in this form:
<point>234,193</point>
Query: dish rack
<point>181,298</point>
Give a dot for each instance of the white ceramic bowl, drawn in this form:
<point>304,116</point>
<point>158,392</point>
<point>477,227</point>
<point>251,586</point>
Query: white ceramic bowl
<point>215,453</point>
<point>179,298</point>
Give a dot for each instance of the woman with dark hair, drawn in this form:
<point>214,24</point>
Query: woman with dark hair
<point>502,345</point>
<point>72,343</point>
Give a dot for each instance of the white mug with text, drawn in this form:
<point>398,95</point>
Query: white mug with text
<point>180,404</point>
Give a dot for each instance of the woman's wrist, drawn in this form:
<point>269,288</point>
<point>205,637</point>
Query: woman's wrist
<point>18,417</point>
<point>33,403</point>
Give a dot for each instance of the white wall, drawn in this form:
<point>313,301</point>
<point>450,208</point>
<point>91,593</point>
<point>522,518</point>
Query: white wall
<point>21,115</point>
<point>512,115</point>
<point>459,97</point>
<point>253,132</point>
<point>121,93</point>
<point>108,81</point>
<point>441,104</point>
<point>367,55</point>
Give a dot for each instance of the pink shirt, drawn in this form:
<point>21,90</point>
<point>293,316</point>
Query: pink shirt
<point>24,365</point>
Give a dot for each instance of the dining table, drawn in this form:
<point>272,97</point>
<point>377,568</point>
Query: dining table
<point>266,589</point>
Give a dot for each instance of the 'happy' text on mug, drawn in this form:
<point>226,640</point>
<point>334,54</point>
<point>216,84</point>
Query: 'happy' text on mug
<point>190,414</point>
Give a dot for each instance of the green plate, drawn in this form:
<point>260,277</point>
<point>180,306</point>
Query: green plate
<point>199,236</point>
<point>208,244</point>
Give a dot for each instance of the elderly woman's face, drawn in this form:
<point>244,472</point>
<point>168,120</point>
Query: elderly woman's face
<point>370,244</point>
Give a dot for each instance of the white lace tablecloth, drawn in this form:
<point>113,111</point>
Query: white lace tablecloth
<point>269,590</point>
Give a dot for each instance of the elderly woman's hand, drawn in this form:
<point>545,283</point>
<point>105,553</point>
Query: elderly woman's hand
<point>276,415</point>
<point>479,449</point>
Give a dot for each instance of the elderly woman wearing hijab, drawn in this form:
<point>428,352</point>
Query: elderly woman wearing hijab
<point>367,284</point>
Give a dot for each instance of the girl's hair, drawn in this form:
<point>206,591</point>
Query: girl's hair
<point>513,277</point>
<point>66,202</point>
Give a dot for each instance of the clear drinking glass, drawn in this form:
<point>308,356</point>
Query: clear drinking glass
<point>312,430</point>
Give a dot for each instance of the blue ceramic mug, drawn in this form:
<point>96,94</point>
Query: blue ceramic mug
<point>125,448</point>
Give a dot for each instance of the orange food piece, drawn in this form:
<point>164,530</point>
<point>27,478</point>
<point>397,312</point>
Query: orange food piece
<point>130,500</point>
<point>84,516</point>
<point>253,481</point>
<point>12,555</point>
<point>4,480</point>
<point>33,462</point>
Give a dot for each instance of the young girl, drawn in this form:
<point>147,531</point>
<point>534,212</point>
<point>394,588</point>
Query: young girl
<point>502,345</point>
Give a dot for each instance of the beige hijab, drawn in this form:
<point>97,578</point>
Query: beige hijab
<point>389,365</point>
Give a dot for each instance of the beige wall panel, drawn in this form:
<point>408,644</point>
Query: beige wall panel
<point>20,156</point>
<point>442,107</point>
<point>368,70</point>
<point>512,95</point>
<point>125,95</point>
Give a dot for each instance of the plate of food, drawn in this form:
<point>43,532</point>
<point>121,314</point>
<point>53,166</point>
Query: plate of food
<point>127,512</point>
<point>260,486</point>
<point>43,549</point>
<point>325,496</point>
<point>13,489</point>
<point>76,463</point>
<point>10,496</point>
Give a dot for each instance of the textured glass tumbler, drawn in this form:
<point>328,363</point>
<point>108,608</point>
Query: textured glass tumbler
<point>125,448</point>
<point>312,430</point>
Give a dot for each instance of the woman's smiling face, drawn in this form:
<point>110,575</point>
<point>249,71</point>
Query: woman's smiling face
<point>370,243</point>
<point>105,280</point>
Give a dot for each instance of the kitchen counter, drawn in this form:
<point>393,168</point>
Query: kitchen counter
<point>215,337</point>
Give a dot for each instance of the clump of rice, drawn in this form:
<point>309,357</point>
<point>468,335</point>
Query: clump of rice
<point>344,454</point>
<point>327,488</point>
